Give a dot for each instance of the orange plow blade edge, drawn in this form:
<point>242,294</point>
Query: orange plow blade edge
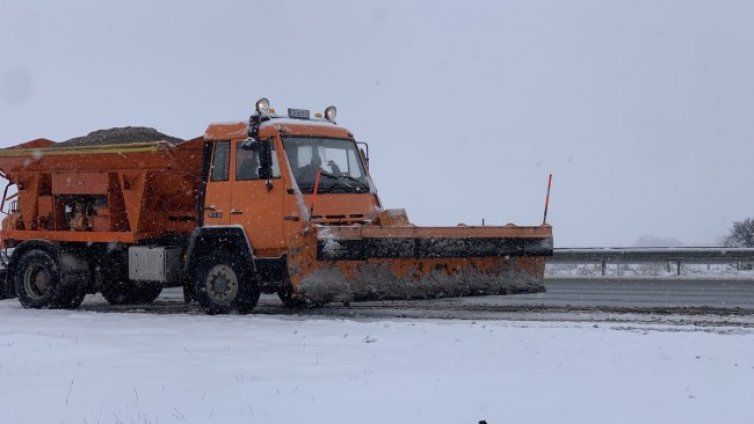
<point>372,262</point>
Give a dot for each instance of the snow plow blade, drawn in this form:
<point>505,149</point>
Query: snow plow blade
<point>371,262</point>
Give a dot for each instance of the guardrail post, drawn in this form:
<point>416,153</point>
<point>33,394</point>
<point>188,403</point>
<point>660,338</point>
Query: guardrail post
<point>603,263</point>
<point>678,272</point>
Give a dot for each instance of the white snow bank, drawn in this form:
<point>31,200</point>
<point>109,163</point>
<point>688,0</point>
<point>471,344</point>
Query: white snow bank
<point>86,367</point>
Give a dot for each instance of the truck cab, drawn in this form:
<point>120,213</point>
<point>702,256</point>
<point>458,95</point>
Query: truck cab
<point>276,175</point>
<point>268,179</point>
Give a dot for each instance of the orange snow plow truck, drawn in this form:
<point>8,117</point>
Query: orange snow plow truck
<point>278,204</point>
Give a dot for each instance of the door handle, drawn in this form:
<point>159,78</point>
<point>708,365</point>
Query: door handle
<point>235,212</point>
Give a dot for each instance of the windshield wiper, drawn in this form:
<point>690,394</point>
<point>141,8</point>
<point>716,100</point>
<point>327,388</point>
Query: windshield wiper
<point>339,183</point>
<point>337,180</point>
<point>361,184</point>
<point>327,174</point>
<point>354,179</point>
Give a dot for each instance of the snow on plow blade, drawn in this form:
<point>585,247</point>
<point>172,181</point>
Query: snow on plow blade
<point>345,263</point>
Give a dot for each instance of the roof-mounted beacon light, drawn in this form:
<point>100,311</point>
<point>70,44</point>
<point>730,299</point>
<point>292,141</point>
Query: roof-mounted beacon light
<point>330,113</point>
<point>263,106</point>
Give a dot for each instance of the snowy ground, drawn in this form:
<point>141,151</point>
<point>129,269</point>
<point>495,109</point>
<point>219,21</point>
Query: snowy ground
<point>89,367</point>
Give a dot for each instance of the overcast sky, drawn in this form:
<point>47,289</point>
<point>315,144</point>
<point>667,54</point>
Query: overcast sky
<point>642,110</point>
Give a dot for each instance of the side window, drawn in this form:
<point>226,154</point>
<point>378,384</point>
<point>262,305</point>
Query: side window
<point>220,162</point>
<point>247,163</point>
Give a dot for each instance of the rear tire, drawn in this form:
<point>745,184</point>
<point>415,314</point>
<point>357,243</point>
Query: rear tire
<point>147,291</point>
<point>118,293</point>
<point>129,292</point>
<point>38,284</point>
<point>225,284</point>
<point>72,297</point>
<point>6,291</point>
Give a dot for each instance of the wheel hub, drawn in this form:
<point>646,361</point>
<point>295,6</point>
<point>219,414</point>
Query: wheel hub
<point>222,284</point>
<point>37,281</point>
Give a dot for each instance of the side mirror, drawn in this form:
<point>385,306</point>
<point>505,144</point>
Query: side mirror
<point>265,161</point>
<point>265,173</point>
<point>363,149</point>
<point>265,154</point>
<point>364,154</point>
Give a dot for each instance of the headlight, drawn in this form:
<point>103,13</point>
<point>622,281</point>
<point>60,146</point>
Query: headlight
<point>330,113</point>
<point>263,106</point>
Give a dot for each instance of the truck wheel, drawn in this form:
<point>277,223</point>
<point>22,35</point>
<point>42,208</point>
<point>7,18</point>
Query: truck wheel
<point>147,291</point>
<point>6,291</point>
<point>37,282</point>
<point>224,284</point>
<point>72,297</point>
<point>118,293</point>
<point>129,292</point>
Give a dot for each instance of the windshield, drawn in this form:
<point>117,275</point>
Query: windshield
<point>337,160</point>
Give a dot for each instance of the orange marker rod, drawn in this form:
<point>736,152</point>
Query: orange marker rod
<point>547,199</point>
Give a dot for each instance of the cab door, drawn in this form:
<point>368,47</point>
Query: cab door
<point>219,186</point>
<point>255,204</point>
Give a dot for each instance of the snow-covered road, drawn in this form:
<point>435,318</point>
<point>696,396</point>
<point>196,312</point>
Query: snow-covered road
<point>89,367</point>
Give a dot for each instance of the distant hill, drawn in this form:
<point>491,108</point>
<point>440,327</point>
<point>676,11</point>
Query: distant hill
<point>652,241</point>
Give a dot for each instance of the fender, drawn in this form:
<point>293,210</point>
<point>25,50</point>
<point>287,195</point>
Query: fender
<point>206,239</point>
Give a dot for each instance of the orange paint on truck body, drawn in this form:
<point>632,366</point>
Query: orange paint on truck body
<point>131,192</point>
<point>346,246</point>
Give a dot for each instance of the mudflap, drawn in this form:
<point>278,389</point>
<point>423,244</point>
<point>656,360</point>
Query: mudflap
<point>347,264</point>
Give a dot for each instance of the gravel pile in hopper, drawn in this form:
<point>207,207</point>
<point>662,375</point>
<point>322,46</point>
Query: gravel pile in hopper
<point>120,135</point>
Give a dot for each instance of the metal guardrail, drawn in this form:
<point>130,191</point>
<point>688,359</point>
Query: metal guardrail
<point>677,255</point>
<point>654,254</point>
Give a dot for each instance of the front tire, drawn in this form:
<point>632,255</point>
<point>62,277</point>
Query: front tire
<point>225,284</point>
